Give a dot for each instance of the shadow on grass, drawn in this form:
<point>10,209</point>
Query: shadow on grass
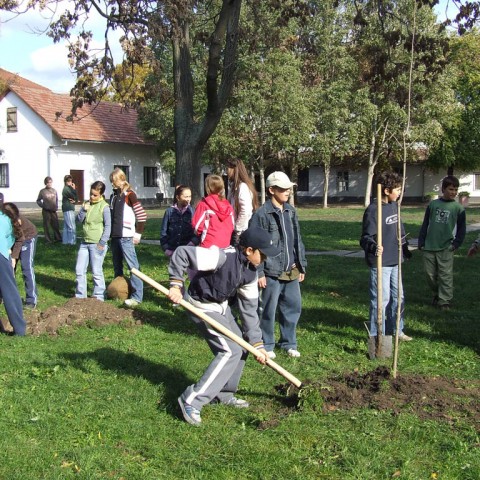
<point>121,363</point>
<point>64,287</point>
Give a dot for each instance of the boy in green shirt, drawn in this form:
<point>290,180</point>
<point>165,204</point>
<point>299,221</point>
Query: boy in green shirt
<point>442,232</point>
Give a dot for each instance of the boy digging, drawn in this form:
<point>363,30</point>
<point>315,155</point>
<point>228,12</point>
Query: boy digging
<point>220,275</point>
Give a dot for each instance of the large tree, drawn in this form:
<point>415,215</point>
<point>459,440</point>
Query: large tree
<point>389,36</point>
<point>188,26</point>
<point>460,143</point>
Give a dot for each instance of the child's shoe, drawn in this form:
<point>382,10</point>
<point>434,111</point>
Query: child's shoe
<point>190,414</point>
<point>131,302</point>
<point>237,402</point>
<point>292,352</point>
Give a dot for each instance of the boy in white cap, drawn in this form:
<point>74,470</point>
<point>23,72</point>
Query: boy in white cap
<point>280,276</point>
<point>221,274</point>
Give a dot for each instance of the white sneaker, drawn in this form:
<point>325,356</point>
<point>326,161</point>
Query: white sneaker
<point>131,302</point>
<point>293,353</point>
<point>271,354</point>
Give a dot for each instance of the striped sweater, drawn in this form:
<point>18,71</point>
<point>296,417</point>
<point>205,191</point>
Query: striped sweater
<point>128,215</point>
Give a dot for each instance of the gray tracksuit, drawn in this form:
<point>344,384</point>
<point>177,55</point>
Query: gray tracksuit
<point>221,274</point>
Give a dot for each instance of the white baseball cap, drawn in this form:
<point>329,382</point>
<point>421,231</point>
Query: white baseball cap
<point>279,179</point>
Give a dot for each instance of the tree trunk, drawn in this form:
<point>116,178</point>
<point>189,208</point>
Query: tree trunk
<point>326,173</point>
<point>191,135</point>
<point>293,178</point>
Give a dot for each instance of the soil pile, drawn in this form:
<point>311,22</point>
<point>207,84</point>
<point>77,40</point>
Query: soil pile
<point>75,312</point>
<point>433,398</point>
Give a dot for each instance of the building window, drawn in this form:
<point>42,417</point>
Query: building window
<point>476,181</point>
<point>303,180</point>
<point>4,175</point>
<point>150,177</point>
<point>342,181</point>
<point>12,119</point>
<point>126,170</point>
<point>173,180</point>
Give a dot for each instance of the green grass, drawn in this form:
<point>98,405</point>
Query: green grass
<point>100,403</point>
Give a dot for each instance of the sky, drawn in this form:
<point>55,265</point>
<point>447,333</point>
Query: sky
<point>34,56</point>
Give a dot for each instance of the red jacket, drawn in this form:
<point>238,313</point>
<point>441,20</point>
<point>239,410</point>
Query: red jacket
<point>214,221</point>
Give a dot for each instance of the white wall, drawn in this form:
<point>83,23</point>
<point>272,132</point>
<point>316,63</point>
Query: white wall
<point>34,151</point>
<point>25,150</point>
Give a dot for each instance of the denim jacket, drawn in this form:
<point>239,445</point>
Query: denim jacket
<point>267,218</point>
<point>177,228</point>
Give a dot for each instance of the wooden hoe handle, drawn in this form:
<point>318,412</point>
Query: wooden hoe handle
<point>220,328</point>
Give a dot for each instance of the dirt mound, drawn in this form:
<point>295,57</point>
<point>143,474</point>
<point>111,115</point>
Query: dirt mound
<point>434,398</point>
<point>76,311</point>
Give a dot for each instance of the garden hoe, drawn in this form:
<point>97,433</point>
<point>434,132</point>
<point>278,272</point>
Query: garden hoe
<point>220,328</point>
<point>380,346</point>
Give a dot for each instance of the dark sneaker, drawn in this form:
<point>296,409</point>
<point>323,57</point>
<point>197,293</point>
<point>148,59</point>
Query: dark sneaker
<point>237,402</point>
<point>445,307</point>
<point>190,414</point>
<point>435,301</point>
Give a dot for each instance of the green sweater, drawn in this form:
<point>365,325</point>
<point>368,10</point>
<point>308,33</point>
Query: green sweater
<point>93,225</point>
<point>68,193</point>
<point>444,225</point>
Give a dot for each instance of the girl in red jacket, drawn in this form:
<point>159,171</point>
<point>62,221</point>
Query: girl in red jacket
<point>214,218</point>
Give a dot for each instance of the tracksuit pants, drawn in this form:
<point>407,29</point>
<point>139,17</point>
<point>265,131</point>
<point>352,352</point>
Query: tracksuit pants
<point>221,378</point>
<point>11,297</point>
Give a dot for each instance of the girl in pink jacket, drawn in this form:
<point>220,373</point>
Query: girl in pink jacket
<point>214,217</point>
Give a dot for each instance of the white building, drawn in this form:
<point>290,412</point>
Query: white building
<point>38,140</point>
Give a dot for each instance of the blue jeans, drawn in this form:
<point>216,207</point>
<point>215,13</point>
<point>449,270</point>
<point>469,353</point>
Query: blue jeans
<point>11,297</point>
<point>285,298</point>
<point>390,301</point>
<point>69,235</point>
<point>90,253</point>
<point>123,248</point>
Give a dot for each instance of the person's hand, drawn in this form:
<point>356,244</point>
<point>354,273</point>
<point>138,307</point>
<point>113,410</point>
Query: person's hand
<point>378,250</point>
<point>262,282</point>
<point>136,238</point>
<point>86,206</point>
<point>452,248</point>
<point>14,262</point>
<point>175,294</point>
<point>168,252</point>
<point>71,200</point>
<point>472,250</point>
<point>301,277</point>
<point>101,247</point>
<point>263,357</point>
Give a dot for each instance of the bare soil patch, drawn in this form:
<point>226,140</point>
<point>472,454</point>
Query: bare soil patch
<point>75,312</point>
<point>431,398</point>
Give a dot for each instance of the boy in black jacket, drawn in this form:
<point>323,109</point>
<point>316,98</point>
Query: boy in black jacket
<point>391,187</point>
<point>221,274</point>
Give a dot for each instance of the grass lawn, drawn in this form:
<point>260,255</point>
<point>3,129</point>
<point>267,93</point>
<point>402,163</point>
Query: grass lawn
<point>101,403</point>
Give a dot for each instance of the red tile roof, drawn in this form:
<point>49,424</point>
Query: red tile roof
<point>105,122</point>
